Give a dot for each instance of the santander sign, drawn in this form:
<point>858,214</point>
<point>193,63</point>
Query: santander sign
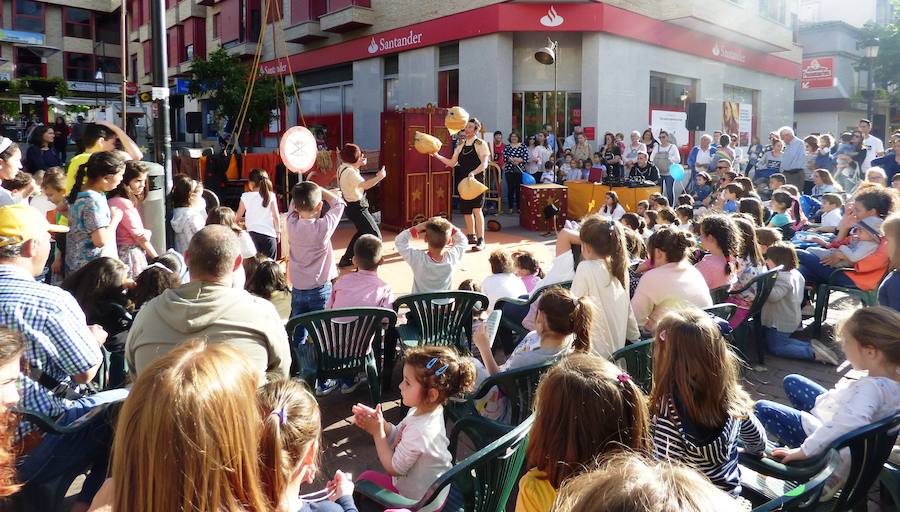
<point>394,43</point>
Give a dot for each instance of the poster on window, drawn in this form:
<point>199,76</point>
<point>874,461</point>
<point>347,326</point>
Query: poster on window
<point>672,122</point>
<point>745,124</point>
<point>730,117</point>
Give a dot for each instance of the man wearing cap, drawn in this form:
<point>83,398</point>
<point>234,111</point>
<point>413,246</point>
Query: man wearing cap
<point>61,352</point>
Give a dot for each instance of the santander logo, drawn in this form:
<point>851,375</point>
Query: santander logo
<point>394,43</point>
<point>552,18</point>
<point>373,46</point>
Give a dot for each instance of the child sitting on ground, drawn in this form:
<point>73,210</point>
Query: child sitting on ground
<point>732,194</point>
<point>702,189</point>
<point>311,265</point>
<point>641,207</point>
<point>852,248</point>
<point>766,237</point>
<point>433,268</point>
<point>831,214</point>
<point>781,314</point>
<point>699,410</point>
<point>415,452</point>
<point>562,324</point>
<point>289,451</point>
<point>586,409</point>
<point>665,216</point>
<point>750,264</point>
<point>685,215</point>
<point>819,417</point>
<point>528,269</point>
<point>503,282</point>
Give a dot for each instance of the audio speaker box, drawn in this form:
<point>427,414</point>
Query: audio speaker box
<point>194,122</point>
<point>176,101</point>
<point>696,117</point>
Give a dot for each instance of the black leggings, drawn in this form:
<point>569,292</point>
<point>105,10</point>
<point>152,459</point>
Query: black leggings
<point>513,180</point>
<point>364,223</point>
<point>265,244</point>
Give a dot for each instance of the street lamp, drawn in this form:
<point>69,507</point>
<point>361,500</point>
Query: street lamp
<point>98,76</point>
<point>683,97</point>
<point>870,52</point>
<point>547,56</point>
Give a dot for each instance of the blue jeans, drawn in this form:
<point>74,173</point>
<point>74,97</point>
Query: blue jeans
<point>786,422</point>
<point>816,272</point>
<point>306,301</point>
<point>89,447</point>
<point>667,183</point>
<point>781,344</point>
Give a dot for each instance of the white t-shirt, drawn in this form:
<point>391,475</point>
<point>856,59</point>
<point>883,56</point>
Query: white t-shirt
<point>832,218</point>
<point>614,320</point>
<point>421,452</point>
<point>873,146</point>
<point>258,218</point>
<point>497,286</point>
<point>617,213</point>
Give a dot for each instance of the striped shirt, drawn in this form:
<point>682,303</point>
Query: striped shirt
<point>715,454</point>
<point>57,339</point>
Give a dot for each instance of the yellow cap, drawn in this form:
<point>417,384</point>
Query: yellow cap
<point>20,223</point>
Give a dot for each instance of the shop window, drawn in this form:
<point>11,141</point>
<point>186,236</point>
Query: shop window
<point>79,67</point>
<point>28,15</point>
<point>448,88</point>
<point>391,65</point>
<point>448,55</point>
<point>739,113</point>
<point>78,23</point>
<point>28,64</point>
<point>391,93</point>
<point>217,24</point>
<point>329,109</point>
<point>775,10</point>
<point>532,109</point>
<point>109,64</point>
<point>109,27</point>
<point>666,90</point>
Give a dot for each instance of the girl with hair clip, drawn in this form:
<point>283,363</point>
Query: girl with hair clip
<point>818,417</point>
<point>699,410</point>
<point>612,209</point>
<point>260,207</point>
<point>528,269</point>
<point>289,451</point>
<point>650,486</point>
<point>185,438</point>
<point>562,325</point>
<point>586,410</point>
<point>132,239</point>
<point>12,348</point>
<point>669,281</point>
<point>602,276</point>
<point>92,222</point>
<point>415,452</point>
<point>188,215</point>
<point>750,264</point>
<point>720,236</point>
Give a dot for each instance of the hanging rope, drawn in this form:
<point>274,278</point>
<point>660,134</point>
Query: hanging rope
<point>281,42</point>
<point>254,73</point>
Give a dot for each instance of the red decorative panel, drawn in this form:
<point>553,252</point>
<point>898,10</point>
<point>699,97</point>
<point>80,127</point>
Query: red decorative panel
<point>535,198</point>
<point>441,193</point>
<point>416,199</point>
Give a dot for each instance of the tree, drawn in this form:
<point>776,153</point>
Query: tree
<point>886,67</point>
<point>223,79</point>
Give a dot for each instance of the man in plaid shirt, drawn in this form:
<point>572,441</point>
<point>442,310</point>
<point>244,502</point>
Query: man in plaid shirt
<point>59,345</point>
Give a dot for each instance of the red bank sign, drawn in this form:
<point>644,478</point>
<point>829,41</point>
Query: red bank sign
<point>543,17</point>
<point>817,73</point>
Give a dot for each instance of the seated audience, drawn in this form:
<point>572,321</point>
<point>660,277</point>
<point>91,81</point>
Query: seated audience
<point>889,290</point>
<point>208,307</point>
<point>720,236</point>
<point>269,282</point>
<point>586,410</point>
<point>699,411</point>
<point>188,215</point>
<point>433,268</point>
<point>162,273</point>
<point>750,264</point>
<point>528,269</point>
<point>503,282</point>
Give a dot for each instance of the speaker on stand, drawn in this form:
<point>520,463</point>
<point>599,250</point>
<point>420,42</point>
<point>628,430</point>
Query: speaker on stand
<point>696,117</point>
<point>194,121</point>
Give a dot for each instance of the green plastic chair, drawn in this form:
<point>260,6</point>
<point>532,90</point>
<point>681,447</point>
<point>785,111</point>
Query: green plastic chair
<point>518,387</point>
<point>638,362</point>
<point>748,335</point>
<point>344,343</point>
<point>869,448</point>
<point>519,331</point>
<point>439,318</point>
<point>719,294</point>
<point>823,296</point>
<point>482,482</point>
<point>50,496</point>
<point>801,497</point>
<point>890,483</point>
<point>724,310</point>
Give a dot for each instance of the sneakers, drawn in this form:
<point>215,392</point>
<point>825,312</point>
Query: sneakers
<point>479,245</point>
<point>326,388</point>
<point>349,386</point>
<point>808,310</point>
<point>472,239</point>
<point>823,354</point>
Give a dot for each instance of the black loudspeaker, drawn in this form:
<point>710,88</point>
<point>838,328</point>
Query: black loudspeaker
<point>194,122</point>
<point>696,117</point>
<point>176,101</point>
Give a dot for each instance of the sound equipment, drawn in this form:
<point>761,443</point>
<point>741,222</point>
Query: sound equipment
<point>194,122</point>
<point>696,117</point>
<point>176,101</point>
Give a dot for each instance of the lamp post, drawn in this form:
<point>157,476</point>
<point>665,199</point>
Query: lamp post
<point>547,56</point>
<point>98,76</point>
<point>870,51</point>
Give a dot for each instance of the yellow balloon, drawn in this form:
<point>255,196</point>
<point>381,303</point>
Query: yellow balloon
<point>427,144</point>
<point>456,120</point>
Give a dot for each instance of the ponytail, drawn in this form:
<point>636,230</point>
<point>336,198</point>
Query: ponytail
<point>607,239</point>
<point>727,237</point>
<point>100,164</point>
<point>581,324</point>
<point>276,476</point>
<point>260,178</point>
<point>79,181</point>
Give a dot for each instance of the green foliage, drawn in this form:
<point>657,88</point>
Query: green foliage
<point>33,84</point>
<point>223,79</point>
<point>887,65</point>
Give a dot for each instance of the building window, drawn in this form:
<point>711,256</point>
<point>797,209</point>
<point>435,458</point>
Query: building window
<point>217,24</point>
<point>448,88</point>
<point>109,27</point>
<point>391,93</point>
<point>665,90</point>
<point>532,109</point>
<point>28,15</point>
<point>775,10</point>
<point>79,67</point>
<point>134,72</point>
<point>110,64</point>
<point>78,23</point>
<point>28,64</point>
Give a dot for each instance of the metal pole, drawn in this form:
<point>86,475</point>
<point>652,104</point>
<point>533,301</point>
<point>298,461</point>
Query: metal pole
<point>123,33</point>
<point>871,95</point>
<point>555,103</point>
<point>162,136</point>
